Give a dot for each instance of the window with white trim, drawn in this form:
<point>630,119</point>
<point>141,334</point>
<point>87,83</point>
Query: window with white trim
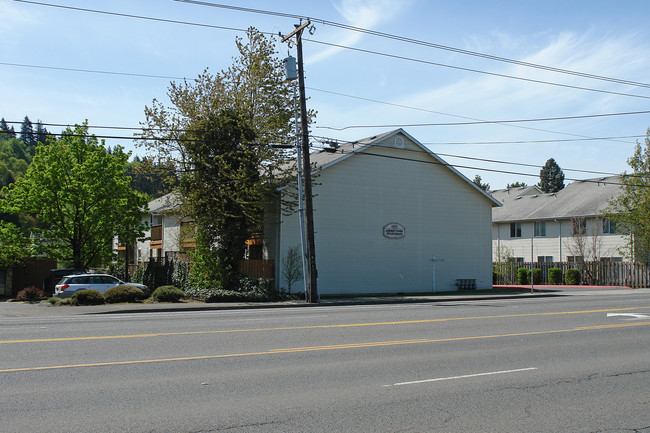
<point>515,230</point>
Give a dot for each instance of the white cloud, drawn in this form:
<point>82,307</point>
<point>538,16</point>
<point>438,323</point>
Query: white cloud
<point>599,55</point>
<point>366,14</point>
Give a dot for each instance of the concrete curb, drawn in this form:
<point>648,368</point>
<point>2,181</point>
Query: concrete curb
<point>10,309</point>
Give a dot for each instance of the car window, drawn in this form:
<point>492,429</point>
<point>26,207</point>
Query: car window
<point>106,279</point>
<point>78,280</point>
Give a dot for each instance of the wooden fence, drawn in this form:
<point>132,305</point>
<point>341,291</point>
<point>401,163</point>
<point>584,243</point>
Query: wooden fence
<point>592,273</point>
<point>258,268</point>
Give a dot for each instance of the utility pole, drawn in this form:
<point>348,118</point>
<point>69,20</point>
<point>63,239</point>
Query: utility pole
<point>312,292</point>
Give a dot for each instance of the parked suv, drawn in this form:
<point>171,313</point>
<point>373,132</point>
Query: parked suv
<point>55,276</point>
<point>100,282</point>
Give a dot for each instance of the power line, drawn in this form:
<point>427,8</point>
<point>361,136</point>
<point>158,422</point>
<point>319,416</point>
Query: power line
<point>484,122</point>
<point>533,141</point>
<point>326,140</point>
<point>463,117</point>
<point>456,166</point>
<point>141,17</point>
<point>366,51</point>
<point>94,71</point>
<point>410,59</point>
<point>422,43</point>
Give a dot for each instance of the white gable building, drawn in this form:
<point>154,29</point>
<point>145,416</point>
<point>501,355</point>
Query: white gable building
<point>385,206</point>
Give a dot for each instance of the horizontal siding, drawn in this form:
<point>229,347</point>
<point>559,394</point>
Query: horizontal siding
<point>557,243</point>
<point>442,214</point>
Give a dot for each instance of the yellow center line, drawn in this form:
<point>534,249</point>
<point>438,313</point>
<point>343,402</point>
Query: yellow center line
<point>321,348</point>
<point>293,328</point>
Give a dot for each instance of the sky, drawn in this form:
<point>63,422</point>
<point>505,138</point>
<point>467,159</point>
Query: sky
<point>373,85</point>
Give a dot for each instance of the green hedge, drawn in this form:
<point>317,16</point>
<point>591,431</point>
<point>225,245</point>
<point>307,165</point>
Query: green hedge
<point>87,297</point>
<point>572,277</point>
<point>523,276</point>
<point>555,276</point>
<point>123,293</point>
<point>538,276</point>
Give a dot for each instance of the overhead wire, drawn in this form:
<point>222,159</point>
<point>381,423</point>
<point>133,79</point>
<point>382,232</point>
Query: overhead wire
<point>340,46</point>
<point>363,50</point>
<point>478,71</point>
<point>420,42</point>
<point>457,166</point>
<point>328,141</point>
<point>484,122</point>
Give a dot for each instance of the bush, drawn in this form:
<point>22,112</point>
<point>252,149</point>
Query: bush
<point>57,302</point>
<point>30,294</point>
<point>220,295</point>
<point>572,277</point>
<point>167,294</point>
<point>538,276</point>
<point>522,276</point>
<point>123,293</point>
<point>555,276</point>
<point>87,297</point>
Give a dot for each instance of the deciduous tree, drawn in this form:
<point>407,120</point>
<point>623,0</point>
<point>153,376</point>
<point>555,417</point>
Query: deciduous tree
<point>220,133</point>
<point>631,209</point>
<point>79,197</point>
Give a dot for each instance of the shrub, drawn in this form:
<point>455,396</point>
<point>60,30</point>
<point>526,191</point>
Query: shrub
<point>522,276</point>
<point>87,297</point>
<point>167,294</point>
<point>57,302</point>
<point>555,276</point>
<point>30,294</point>
<point>538,276</point>
<point>123,293</point>
<point>220,295</point>
<point>572,277</point>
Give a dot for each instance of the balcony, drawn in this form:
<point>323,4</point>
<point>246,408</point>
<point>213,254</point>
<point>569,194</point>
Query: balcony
<point>156,236</point>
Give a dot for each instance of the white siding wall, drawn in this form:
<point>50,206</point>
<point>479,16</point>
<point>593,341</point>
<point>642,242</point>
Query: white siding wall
<point>557,243</point>
<point>443,216</point>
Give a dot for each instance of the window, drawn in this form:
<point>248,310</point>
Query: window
<point>609,226</point>
<point>611,259</point>
<point>575,259</point>
<point>579,226</point>
<point>515,230</point>
<point>540,228</point>
<point>544,259</point>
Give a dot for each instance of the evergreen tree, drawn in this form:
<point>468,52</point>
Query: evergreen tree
<point>516,184</point>
<point>27,135</point>
<point>40,135</point>
<point>5,130</point>
<point>483,186</point>
<point>551,177</point>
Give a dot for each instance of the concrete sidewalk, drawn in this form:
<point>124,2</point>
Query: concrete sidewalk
<point>17,309</point>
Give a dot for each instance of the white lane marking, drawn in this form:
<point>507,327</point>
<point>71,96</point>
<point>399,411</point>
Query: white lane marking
<point>631,315</point>
<point>464,376</point>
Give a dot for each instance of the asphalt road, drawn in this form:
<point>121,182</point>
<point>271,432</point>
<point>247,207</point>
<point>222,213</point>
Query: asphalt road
<point>569,364</point>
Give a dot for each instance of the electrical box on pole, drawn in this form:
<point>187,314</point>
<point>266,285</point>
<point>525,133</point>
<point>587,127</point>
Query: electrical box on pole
<point>290,69</point>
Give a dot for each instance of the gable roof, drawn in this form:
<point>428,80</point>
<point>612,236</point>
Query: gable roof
<point>583,198</point>
<point>165,203</point>
<point>326,158</point>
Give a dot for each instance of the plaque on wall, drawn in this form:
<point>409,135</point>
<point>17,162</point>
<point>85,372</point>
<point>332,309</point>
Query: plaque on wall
<point>394,231</point>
